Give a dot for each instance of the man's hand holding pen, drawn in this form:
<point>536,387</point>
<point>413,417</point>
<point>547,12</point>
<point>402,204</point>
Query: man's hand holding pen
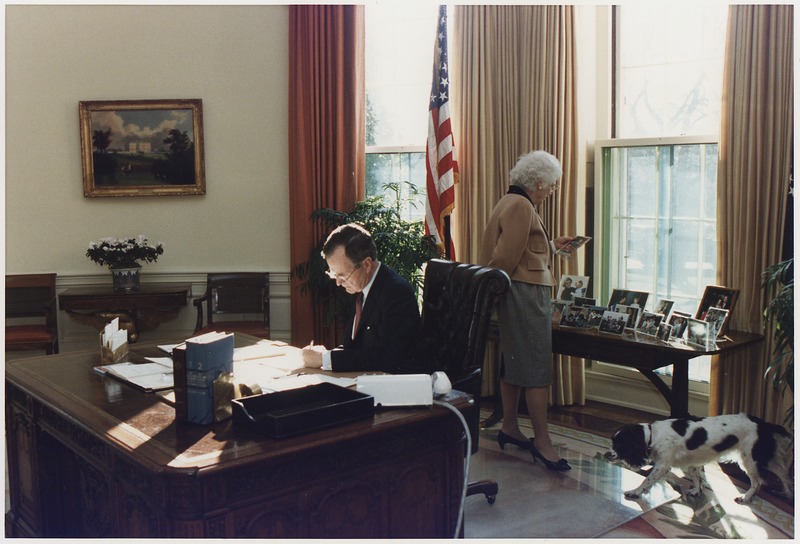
<point>312,355</point>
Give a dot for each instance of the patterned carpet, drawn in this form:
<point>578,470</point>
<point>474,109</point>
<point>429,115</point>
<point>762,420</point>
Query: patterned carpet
<point>587,502</point>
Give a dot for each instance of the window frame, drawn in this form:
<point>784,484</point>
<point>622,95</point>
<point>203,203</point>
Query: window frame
<point>601,276</point>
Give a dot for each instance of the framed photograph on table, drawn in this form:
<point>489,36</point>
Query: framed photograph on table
<point>632,312</point>
<point>664,307</point>
<point>664,332</point>
<point>142,147</point>
<point>717,297</point>
<point>575,316</point>
<point>716,318</point>
<point>698,333</point>
<point>613,322</point>
<point>679,322</point>
<point>572,286</point>
<point>649,323</point>
<point>627,298</point>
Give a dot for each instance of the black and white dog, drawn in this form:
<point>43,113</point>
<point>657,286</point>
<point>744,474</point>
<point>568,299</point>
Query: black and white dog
<point>689,444</point>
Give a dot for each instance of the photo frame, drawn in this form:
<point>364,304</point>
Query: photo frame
<point>698,333</point>
<point>716,318</point>
<point>559,308</point>
<point>664,332</point>
<point>649,323</point>
<point>575,316</point>
<point>632,312</point>
<point>594,316</point>
<point>679,322</point>
<point>571,286</point>
<point>584,301</point>
<point>664,306</point>
<point>613,322</point>
<point>627,298</point>
<point>716,296</point>
<point>142,147</point>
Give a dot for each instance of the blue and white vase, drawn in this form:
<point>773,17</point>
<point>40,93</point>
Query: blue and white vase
<point>125,279</point>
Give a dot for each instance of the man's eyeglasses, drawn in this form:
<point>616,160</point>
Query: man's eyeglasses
<point>341,277</point>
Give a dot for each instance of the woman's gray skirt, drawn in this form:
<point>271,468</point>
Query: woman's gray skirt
<point>524,319</point>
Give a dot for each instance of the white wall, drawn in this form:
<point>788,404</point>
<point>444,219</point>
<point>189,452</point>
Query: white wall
<point>234,58</point>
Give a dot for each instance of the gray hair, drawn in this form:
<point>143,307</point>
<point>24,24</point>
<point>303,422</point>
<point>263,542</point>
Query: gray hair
<point>534,169</point>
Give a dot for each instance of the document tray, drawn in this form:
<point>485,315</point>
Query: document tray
<point>297,411</point>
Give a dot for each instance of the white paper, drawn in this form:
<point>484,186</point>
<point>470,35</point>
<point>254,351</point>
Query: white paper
<point>259,351</point>
<point>167,348</point>
<point>252,372</point>
<point>303,380</point>
<point>145,375</point>
<point>109,331</point>
<point>166,362</point>
<point>119,338</point>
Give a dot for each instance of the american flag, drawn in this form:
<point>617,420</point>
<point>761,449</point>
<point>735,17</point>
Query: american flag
<point>440,156</point>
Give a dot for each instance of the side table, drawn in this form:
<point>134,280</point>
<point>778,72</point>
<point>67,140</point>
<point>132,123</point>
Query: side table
<point>141,310</point>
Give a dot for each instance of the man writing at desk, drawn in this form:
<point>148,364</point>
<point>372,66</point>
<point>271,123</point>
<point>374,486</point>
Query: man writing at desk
<point>386,328</point>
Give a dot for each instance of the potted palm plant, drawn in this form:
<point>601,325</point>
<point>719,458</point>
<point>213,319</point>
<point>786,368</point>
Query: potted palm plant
<point>402,245</point>
<point>778,280</point>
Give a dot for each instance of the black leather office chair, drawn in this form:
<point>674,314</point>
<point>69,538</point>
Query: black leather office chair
<point>31,313</point>
<point>234,302</point>
<point>457,304</point>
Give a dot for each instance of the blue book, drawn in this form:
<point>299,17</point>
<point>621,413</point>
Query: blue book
<point>212,351</point>
<point>200,405</point>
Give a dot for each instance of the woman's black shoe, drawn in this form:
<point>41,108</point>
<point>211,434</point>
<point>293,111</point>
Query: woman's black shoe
<point>561,465</point>
<point>503,439</point>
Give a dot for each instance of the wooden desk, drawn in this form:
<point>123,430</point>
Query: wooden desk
<point>91,457</point>
<point>646,354</point>
<point>141,310</point>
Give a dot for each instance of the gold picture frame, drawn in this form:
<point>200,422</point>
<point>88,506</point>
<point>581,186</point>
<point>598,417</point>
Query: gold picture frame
<point>142,147</point>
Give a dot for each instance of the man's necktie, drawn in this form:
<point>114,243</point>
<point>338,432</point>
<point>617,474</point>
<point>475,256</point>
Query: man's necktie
<point>359,302</point>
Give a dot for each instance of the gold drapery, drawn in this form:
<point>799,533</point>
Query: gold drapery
<point>514,91</point>
<point>755,161</point>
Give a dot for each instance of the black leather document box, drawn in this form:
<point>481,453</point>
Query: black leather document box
<point>297,411</point>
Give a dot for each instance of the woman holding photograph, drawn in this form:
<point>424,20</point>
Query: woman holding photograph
<point>516,241</point>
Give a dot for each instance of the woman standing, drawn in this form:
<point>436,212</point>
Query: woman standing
<point>516,241</point>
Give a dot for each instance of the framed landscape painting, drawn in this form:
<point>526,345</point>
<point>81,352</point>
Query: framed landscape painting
<point>142,147</point>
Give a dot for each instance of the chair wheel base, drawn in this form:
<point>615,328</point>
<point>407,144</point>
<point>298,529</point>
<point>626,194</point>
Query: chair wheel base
<point>489,488</point>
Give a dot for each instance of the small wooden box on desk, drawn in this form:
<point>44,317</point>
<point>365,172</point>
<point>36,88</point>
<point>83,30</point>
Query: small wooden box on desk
<point>109,356</point>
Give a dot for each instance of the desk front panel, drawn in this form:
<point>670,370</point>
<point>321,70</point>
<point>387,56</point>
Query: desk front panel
<point>91,457</point>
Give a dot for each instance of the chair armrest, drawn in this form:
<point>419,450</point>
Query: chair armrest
<point>198,303</point>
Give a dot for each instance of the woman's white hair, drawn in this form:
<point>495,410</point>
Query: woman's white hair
<point>536,169</point>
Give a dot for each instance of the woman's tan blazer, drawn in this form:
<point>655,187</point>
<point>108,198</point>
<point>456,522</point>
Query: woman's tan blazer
<point>516,241</point>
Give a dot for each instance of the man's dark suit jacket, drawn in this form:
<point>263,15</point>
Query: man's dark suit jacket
<point>389,333</point>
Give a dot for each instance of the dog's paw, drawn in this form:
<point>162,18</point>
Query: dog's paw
<point>743,499</point>
<point>632,494</point>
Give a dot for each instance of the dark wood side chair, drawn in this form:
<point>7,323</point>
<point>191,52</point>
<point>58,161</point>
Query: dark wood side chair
<point>31,313</point>
<point>457,304</point>
<point>234,302</point>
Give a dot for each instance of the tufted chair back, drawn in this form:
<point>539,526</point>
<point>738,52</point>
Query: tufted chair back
<point>457,304</point>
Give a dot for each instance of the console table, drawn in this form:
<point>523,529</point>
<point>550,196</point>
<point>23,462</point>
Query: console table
<point>140,310</point>
<point>640,351</point>
<point>91,457</point>
<point>647,353</point>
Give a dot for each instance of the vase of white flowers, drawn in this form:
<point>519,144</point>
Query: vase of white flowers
<point>122,257</point>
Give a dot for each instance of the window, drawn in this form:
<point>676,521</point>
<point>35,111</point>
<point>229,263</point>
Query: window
<point>399,57</point>
<point>657,210</point>
<point>659,221</point>
<point>669,69</point>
